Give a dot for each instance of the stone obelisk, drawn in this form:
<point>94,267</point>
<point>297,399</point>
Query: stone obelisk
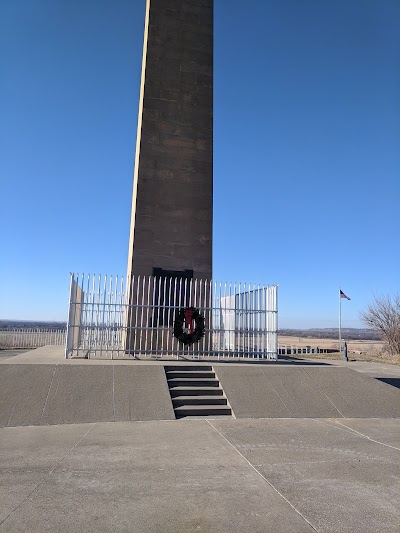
<point>171,221</point>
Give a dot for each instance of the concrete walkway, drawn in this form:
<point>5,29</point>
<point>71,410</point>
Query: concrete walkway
<point>196,475</point>
<point>279,475</point>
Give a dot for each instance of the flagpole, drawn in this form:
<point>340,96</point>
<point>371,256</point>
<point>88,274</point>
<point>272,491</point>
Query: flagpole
<point>340,323</point>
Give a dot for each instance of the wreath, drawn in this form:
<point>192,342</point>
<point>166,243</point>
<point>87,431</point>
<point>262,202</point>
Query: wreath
<point>189,315</point>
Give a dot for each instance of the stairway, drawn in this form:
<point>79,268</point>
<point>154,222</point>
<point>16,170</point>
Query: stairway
<point>195,391</point>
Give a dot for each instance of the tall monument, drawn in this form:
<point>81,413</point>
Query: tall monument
<point>172,201</point>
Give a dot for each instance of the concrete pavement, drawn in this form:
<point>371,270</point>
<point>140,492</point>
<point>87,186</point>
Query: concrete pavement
<point>7,354</point>
<point>195,475</point>
<point>41,387</point>
<point>313,468</point>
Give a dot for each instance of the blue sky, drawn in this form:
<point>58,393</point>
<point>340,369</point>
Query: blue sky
<point>306,149</point>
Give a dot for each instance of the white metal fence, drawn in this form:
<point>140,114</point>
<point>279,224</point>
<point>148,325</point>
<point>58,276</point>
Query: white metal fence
<point>109,320</point>
<point>31,338</point>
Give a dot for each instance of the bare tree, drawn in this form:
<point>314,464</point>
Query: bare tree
<point>383,314</point>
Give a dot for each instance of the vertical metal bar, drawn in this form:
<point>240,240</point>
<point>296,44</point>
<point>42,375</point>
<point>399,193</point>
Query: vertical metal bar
<point>156,313</point>
<point>80,319</point>
<point>248,321</point>
<point>110,328</point>
<point>164,303</point>
<point>237,310</point>
<point>210,308</point>
<point>252,320</point>
<point>191,348</point>
<point>150,308</point>
<point>103,313</point>
<point>85,310</point>
<point>236,292</point>
<point>169,339</point>
<point>231,314</point>
<point>269,320</point>
<point>108,320</point>
<point>263,318</point>
<point>174,313</point>
<point>137,311</point>
<point>185,304</point>
<point>203,312</point>
<point>180,305</point>
<point>117,326</point>
<point>340,323</point>
<point>197,305</point>
<point>225,301</point>
<point>256,320</point>
<point>276,322</point>
<point>244,306</point>
<point>96,308</point>
<point>143,331</point>
<point>105,316</point>
<point>113,330</point>
<point>131,309</point>
<point>206,306</point>
<point>69,314</point>
<point>121,315</point>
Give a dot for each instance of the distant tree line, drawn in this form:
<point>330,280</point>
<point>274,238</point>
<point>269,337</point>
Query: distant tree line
<point>7,325</point>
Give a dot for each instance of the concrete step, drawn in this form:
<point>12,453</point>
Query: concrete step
<point>199,400</point>
<point>191,368</point>
<point>194,417</point>
<point>195,391</point>
<point>202,410</point>
<point>192,382</point>
<point>171,374</point>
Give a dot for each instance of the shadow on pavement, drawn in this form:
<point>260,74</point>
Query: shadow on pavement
<point>13,352</point>
<point>283,360</point>
<point>395,382</point>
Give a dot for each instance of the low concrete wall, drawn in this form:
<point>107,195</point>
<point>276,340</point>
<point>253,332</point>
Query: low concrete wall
<point>306,392</point>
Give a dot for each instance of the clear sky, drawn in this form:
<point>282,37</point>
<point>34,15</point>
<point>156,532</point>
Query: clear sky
<point>306,149</point>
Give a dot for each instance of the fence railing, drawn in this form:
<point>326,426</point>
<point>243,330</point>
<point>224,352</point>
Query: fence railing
<point>31,338</point>
<point>107,319</point>
<point>296,350</point>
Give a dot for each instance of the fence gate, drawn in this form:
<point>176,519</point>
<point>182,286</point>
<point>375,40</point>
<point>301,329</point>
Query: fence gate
<point>108,319</point>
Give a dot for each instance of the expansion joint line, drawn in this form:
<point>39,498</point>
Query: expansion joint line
<point>324,393</point>
<point>48,392</point>
<point>262,476</point>
<point>48,474</point>
<point>366,436</point>
<point>113,389</point>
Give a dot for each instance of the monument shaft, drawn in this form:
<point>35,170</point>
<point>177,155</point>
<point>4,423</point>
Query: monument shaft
<point>171,222</point>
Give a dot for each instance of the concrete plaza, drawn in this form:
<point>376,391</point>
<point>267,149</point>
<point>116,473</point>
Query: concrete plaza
<point>298,473</point>
<point>278,475</point>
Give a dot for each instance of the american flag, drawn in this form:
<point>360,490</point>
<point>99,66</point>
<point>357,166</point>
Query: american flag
<point>342,295</point>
